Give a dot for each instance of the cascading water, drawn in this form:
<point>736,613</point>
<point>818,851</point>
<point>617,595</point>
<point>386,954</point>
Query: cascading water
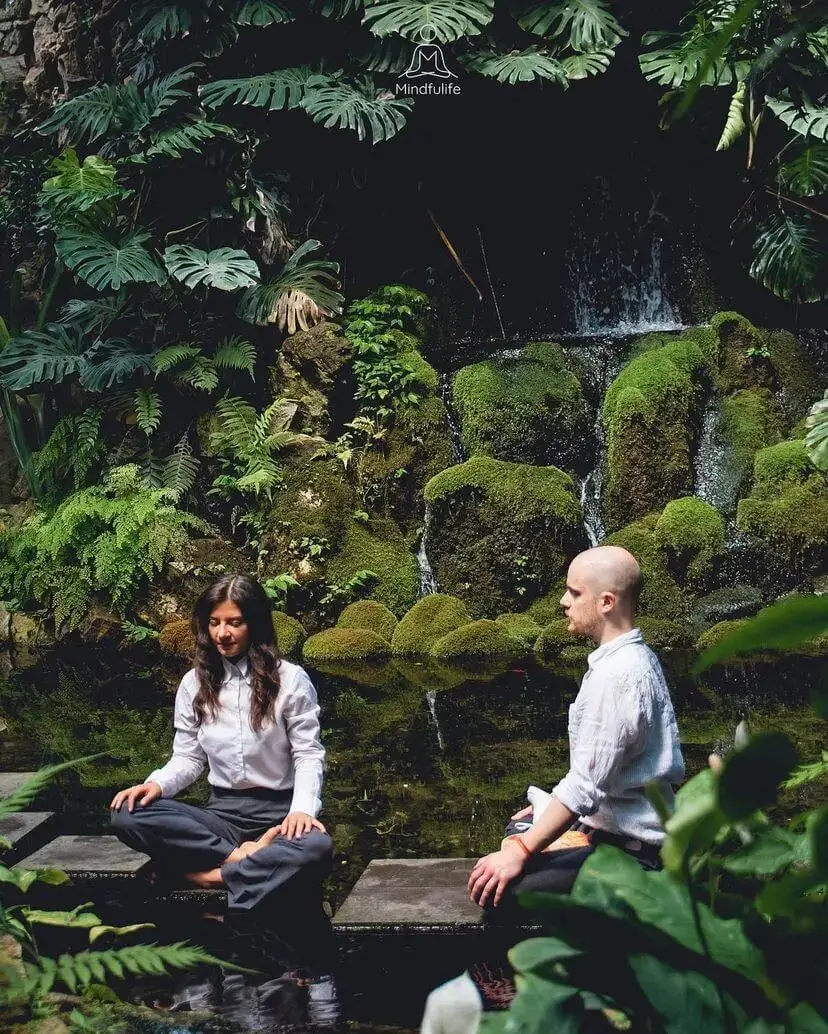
<point>455,433</point>
<point>428,583</point>
<point>431,698</point>
<point>716,475</point>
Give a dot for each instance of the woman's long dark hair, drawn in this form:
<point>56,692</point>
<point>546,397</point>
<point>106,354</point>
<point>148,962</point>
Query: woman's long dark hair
<point>262,651</point>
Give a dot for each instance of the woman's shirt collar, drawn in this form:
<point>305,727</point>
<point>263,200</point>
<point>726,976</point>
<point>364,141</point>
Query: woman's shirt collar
<point>237,666</point>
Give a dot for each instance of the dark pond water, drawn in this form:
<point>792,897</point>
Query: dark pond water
<point>422,761</point>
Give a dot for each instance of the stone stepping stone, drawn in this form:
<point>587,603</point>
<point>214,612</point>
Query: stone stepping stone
<point>413,895</point>
<point>88,858</point>
<point>12,781</point>
<point>26,831</point>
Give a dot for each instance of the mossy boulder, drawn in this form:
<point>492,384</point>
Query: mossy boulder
<point>371,615</point>
<point>664,635</point>
<point>426,379</point>
<point>290,635</point>
<point>661,596</point>
<point>554,638</point>
<point>752,420</point>
<point>522,627</point>
<point>378,546</point>
<point>479,639</point>
<point>176,638</point>
<point>716,633</point>
<point>800,385</point>
<point>690,532</point>
<point>788,506</point>
<point>547,608</point>
<point>311,368</point>
<point>428,620</point>
<point>416,448</point>
<point>743,359</point>
<point>502,533</point>
<point>649,412</point>
<point>529,409</point>
<point>728,603</point>
<point>345,644</point>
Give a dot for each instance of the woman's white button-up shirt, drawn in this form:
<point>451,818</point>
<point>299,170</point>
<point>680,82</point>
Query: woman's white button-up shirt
<point>286,753</point>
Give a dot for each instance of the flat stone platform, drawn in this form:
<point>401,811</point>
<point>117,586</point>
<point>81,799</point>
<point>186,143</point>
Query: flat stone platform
<point>417,895</point>
<point>88,858</point>
<point>26,831</point>
<point>12,781</point>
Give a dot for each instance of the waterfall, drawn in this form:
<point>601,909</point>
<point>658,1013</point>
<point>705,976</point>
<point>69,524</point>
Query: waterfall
<point>716,475</point>
<point>453,423</point>
<point>431,697</point>
<point>428,583</point>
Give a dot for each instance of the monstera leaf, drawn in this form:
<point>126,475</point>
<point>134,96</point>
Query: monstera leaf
<point>735,122</point>
<point>816,440</point>
<point>311,285</point>
<point>806,118</point>
<point>37,357</point>
<point>165,22</point>
<point>361,107</point>
<point>581,66</point>
<point>807,174</point>
<point>519,67</point>
<point>788,259</point>
<point>338,8</point>
<point>683,62</point>
<point>76,188</point>
<point>189,135</point>
<point>91,115</point>
<point>228,269</point>
<point>426,21</point>
<point>104,263</point>
<point>283,88</point>
<point>262,13</point>
<point>588,25</point>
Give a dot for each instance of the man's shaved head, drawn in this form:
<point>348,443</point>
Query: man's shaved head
<point>610,569</point>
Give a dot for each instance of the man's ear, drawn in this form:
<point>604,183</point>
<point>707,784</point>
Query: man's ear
<point>607,601</point>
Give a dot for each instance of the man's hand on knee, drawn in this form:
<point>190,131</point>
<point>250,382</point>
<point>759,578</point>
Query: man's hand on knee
<point>493,874</point>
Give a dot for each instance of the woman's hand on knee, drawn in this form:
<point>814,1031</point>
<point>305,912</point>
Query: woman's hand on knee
<point>297,824</point>
<point>143,794</point>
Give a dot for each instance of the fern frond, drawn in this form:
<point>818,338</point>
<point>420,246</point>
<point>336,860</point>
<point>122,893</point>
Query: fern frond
<point>180,471</point>
<point>233,353</point>
<point>235,425</point>
<point>200,374</point>
<point>283,88</point>
<point>25,795</point>
<point>147,410</point>
<point>172,356</point>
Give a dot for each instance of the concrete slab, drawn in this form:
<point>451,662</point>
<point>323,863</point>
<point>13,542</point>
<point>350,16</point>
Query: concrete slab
<point>88,858</point>
<point>11,781</point>
<point>411,894</point>
<point>26,832</point>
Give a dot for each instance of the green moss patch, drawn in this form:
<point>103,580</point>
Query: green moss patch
<point>428,620</point>
<point>527,410</point>
<point>345,644</point>
<point>691,532</point>
<point>502,534</point>
<point>661,596</point>
<point>664,635</point>
<point>554,638</point>
<point>522,627</point>
<point>481,639</point>
<point>379,547</point>
<point>371,615</point>
<point>753,420</point>
<point>290,635</point>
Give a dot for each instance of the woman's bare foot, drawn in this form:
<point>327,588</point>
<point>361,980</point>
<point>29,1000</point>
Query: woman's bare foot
<point>209,880</point>
<point>249,847</point>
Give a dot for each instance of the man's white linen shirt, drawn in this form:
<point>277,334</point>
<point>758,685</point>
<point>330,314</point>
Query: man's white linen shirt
<point>622,735</point>
<point>285,753</point>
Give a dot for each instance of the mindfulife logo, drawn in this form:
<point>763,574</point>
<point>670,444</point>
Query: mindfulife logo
<point>427,72</point>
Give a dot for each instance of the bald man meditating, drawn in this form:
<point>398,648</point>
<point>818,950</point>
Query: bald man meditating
<point>622,735</point>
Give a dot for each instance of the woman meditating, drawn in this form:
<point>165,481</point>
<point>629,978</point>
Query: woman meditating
<point>254,719</point>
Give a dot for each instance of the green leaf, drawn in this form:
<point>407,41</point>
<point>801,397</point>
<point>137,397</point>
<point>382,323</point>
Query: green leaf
<point>805,118</point>
<point>233,353</point>
<point>816,440</point>
<point>751,776</point>
<point>119,931</point>
<point>684,1001</point>
<point>168,358</point>
<point>735,122</point>
<point>111,362</point>
<point>362,107</point>
<point>164,23</point>
<point>542,1006</point>
<point>804,1019</point>
<point>189,135</point>
<point>695,822</point>
<point>92,114</point>
<point>77,188</point>
<point>807,174</point>
<point>818,836</point>
<point>537,954</point>
<point>315,279</point>
<point>25,795</point>
<point>769,853</point>
<point>283,88</point>
<point>782,625</point>
<point>47,356</point>
<point>587,25</point>
<point>80,920</point>
<point>179,472</point>
<point>103,263</point>
<point>581,66</point>
<point>428,21</point>
<point>687,61</point>
<point>518,66</point>
<point>263,12</point>
<point>227,269</point>
<point>147,410</point>
<point>200,374</point>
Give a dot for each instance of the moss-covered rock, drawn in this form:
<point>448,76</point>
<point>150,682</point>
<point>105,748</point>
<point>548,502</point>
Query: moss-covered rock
<point>743,358</point>
<point>788,507</point>
<point>378,546</point>
<point>290,635</point>
<point>690,532</point>
<point>794,371</point>
<point>426,379</point>
<point>479,639</point>
<point>502,533</point>
<point>649,412</point>
<point>428,620</point>
<point>664,635</point>
<point>371,615</point>
<point>661,596</point>
<point>310,368</point>
<point>728,603</point>
<point>716,633</point>
<point>522,627</point>
<point>753,420</point>
<point>529,409</point>
<point>547,608</point>
<point>345,644</point>
<point>417,447</point>
<point>176,638</point>
<point>554,638</point>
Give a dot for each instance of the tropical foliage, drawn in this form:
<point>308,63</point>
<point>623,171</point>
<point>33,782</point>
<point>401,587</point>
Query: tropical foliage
<point>731,935</point>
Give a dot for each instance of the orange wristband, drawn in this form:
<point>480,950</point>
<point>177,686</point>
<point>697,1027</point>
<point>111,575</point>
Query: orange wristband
<point>518,839</point>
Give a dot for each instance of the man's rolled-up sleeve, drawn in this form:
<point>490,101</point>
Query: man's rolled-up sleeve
<point>611,725</point>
